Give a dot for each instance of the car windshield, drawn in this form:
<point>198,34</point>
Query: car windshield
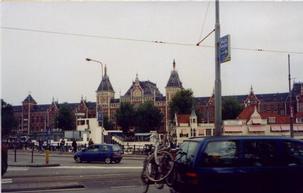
<point>116,148</point>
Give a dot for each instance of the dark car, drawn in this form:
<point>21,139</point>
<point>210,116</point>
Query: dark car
<point>108,153</point>
<point>3,159</point>
<point>240,164</point>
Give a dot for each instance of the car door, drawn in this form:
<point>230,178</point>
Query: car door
<point>92,153</point>
<point>218,166</point>
<point>260,164</point>
<point>104,152</point>
<point>291,172</point>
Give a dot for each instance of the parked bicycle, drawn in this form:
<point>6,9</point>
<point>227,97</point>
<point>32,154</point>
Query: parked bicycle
<point>158,165</point>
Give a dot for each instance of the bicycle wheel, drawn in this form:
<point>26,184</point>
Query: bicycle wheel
<point>158,172</point>
<point>144,178</point>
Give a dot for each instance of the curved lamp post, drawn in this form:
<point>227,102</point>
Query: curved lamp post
<point>97,61</point>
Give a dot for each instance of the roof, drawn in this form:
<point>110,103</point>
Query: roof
<point>174,80</point>
<point>39,108</point>
<point>279,118</point>
<point>149,88</point>
<point>17,109</point>
<point>91,105</point>
<point>297,88</point>
<point>182,118</point>
<point>114,100</point>
<point>105,84</point>
<point>160,98</point>
<point>259,137</point>
<point>29,99</point>
<point>276,97</point>
<point>247,112</point>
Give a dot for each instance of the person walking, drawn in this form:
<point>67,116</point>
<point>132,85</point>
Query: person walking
<point>62,143</point>
<point>90,142</point>
<point>74,144</point>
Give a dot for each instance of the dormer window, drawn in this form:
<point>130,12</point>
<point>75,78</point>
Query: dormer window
<point>271,119</point>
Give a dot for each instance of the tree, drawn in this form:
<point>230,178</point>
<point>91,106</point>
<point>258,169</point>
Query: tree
<point>66,119</point>
<point>8,121</point>
<point>107,124</point>
<point>125,116</point>
<point>231,108</point>
<point>148,117</point>
<point>181,103</point>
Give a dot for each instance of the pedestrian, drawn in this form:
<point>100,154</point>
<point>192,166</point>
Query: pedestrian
<point>62,144</point>
<point>90,142</point>
<point>74,144</point>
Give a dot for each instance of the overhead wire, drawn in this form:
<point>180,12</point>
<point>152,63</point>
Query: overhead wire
<point>148,41</point>
<point>204,20</point>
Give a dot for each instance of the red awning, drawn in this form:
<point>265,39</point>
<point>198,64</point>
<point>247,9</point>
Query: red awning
<point>285,127</point>
<point>233,129</point>
<point>298,128</point>
<point>275,127</point>
<point>256,128</point>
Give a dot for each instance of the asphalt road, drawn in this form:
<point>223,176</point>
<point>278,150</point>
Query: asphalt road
<point>90,177</point>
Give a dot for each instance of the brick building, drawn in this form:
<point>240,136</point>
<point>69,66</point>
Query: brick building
<point>33,117</point>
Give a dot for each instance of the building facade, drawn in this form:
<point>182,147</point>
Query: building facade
<point>33,117</point>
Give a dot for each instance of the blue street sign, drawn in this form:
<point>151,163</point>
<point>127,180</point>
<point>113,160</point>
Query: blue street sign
<point>100,117</point>
<point>225,49</point>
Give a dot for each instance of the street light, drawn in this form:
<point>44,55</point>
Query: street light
<point>97,61</point>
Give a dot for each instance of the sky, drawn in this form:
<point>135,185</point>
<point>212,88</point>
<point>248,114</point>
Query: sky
<point>44,46</point>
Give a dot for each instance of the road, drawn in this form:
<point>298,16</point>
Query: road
<point>81,177</point>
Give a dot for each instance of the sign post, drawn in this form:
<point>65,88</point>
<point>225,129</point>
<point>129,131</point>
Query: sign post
<point>225,55</point>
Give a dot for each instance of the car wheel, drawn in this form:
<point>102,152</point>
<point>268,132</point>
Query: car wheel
<point>3,167</point>
<point>107,160</point>
<point>77,159</point>
<point>117,161</point>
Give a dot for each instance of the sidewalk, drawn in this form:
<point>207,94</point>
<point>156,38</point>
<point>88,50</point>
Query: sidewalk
<point>69,154</point>
<point>41,186</point>
<point>26,161</point>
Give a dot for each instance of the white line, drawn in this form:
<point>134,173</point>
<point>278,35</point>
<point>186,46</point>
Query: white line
<point>97,167</point>
<point>11,168</point>
<point>7,181</point>
<point>122,187</point>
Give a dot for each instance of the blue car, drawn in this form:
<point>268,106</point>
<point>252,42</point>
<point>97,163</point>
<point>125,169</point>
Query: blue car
<point>107,153</point>
<point>240,164</point>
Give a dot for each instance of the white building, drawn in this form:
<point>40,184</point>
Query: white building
<point>90,129</point>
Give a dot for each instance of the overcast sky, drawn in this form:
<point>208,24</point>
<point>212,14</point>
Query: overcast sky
<point>53,65</point>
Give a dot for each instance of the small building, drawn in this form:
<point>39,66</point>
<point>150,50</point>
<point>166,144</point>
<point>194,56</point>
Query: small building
<point>90,129</point>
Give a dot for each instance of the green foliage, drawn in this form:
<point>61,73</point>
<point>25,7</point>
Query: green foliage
<point>65,119</point>
<point>231,108</point>
<point>144,118</point>
<point>8,121</point>
<point>182,103</point>
<point>148,117</point>
<point>107,124</point>
<point>125,116</point>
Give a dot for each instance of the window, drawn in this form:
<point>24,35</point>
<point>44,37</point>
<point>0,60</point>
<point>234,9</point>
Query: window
<point>208,132</point>
<point>220,154</point>
<point>93,148</point>
<point>260,153</point>
<point>187,152</point>
<point>182,152</point>
<point>294,153</point>
<point>104,148</point>
<point>193,132</point>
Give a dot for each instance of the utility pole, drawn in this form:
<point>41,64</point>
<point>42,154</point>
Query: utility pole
<point>290,101</point>
<point>218,100</point>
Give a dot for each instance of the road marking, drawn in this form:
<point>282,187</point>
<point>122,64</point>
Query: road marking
<point>122,187</point>
<point>6,181</point>
<point>17,168</point>
<point>97,167</point>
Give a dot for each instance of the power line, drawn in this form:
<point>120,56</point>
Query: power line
<point>147,41</point>
<point>204,20</point>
